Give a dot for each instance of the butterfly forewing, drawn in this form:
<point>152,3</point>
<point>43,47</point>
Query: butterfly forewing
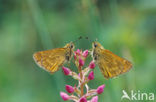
<point>112,65</point>
<point>50,60</point>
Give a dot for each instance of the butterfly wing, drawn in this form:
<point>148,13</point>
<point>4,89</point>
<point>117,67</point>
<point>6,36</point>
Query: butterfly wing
<point>50,60</point>
<point>112,65</point>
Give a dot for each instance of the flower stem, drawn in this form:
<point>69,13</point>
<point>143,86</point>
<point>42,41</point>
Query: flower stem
<point>81,82</point>
<point>82,85</point>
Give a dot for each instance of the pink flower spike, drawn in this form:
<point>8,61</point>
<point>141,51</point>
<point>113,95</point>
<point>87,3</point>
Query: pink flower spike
<point>100,89</point>
<point>66,70</point>
<point>83,99</point>
<point>92,65</point>
<point>94,99</point>
<point>91,75</point>
<point>69,89</point>
<point>81,62</point>
<point>85,53</point>
<point>64,96</point>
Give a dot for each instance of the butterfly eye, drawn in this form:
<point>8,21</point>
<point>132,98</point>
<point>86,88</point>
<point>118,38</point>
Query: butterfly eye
<point>71,46</point>
<point>95,45</point>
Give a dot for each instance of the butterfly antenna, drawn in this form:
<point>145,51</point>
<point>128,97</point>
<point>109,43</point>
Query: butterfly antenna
<point>78,39</point>
<point>89,39</point>
<point>96,39</point>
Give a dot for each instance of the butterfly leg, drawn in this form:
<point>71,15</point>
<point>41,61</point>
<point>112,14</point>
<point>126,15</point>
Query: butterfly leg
<point>68,64</point>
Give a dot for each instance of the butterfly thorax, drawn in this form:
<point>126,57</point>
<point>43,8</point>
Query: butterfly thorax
<point>97,48</point>
<point>69,51</point>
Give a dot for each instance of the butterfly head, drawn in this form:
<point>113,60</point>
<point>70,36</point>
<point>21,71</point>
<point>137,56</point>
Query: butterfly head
<point>70,45</point>
<point>97,45</point>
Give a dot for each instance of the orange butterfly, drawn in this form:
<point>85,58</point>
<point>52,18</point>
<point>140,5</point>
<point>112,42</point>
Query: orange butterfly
<point>51,60</point>
<point>110,64</point>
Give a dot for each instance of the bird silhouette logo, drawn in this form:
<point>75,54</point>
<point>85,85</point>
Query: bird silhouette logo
<point>125,95</point>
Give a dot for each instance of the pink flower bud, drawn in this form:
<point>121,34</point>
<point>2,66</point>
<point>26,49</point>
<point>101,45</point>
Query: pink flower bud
<point>85,53</point>
<point>83,99</point>
<point>78,52</point>
<point>75,57</point>
<point>64,96</point>
<point>100,89</point>
<point>92,65</point>
<point>94,99</point>
<point>91,75</point>
<point>66,70</point>
<point>81,62</point>
<point>69,89</point>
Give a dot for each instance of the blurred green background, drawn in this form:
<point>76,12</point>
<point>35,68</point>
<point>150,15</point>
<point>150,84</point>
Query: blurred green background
<point>126,27</point>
